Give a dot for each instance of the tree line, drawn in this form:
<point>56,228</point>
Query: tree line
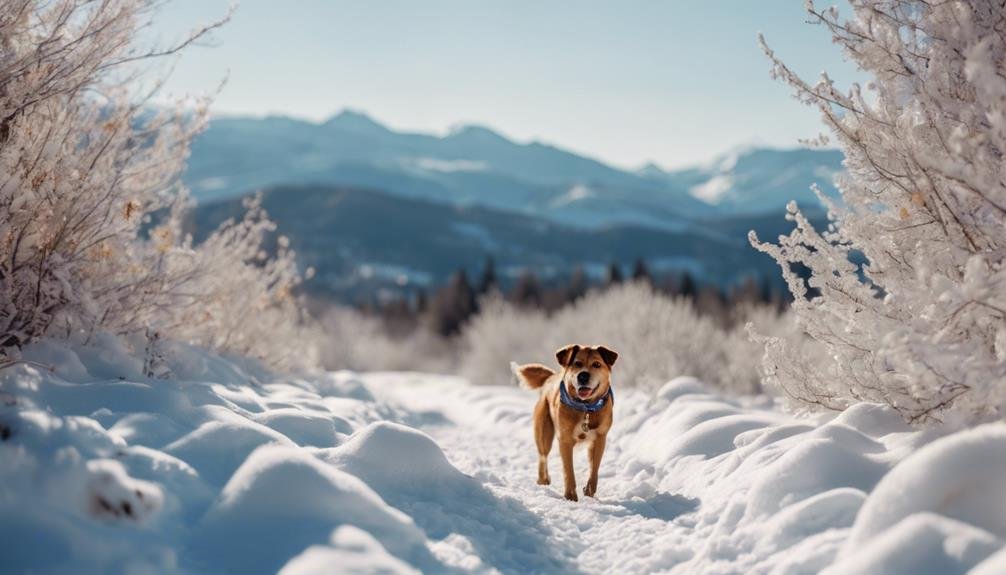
<point>444,309</point>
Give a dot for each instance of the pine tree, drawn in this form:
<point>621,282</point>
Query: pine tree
<point>453,305</point>
<point>527,291</point>
<point>640,272</point>
<point>578,285</point>
<point>614,276</point>
<point>488,280</point>
<point>686,286</point>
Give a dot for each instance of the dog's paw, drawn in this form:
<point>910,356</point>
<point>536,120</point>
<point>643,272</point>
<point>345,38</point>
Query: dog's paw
<point>544,481</point>
<point>571,495</point>
<point>589,490</point>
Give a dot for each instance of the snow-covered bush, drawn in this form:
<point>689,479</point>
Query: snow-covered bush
<point>922,325</point>
<point>657,338</point>
<point>354,340</point>
<point>87,164</point>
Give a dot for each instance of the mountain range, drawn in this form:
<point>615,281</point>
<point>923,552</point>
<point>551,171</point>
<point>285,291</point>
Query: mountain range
<point>473,165</point>
<point>367,205</point>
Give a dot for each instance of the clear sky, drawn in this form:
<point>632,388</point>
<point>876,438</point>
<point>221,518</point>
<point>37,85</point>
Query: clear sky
<point>673,81</point>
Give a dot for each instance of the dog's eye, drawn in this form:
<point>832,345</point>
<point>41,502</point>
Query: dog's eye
<point>578,363</point>
<point>597,365</point>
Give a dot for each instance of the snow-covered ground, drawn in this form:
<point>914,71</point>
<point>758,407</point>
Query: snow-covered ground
<point>226,469</point>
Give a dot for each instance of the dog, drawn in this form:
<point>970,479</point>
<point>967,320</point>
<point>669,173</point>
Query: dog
<point>576,404</point>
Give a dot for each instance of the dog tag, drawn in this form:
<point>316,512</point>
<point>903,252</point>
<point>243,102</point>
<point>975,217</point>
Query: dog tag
<point>586,422</point>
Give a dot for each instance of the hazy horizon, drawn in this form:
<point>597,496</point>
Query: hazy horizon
<point>520,141</point>
<point>672,83</point>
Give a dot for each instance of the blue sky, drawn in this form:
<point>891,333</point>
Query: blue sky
<point>672,81</point>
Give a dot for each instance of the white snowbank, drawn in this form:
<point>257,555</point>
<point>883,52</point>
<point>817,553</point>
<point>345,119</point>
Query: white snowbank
<point>279,486</point>
<point>952,477</point>
<point>394,457</point>
<point>105,471</point>
<point>780,495</point>
<point>924,544</point>
<point>350,551</point>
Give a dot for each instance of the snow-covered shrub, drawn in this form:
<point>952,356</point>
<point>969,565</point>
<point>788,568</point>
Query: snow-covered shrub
<point>228,294</point>
<point>354,340</point>
<point>657,338</point>
<point>922,325</point>
<point>86,165</point>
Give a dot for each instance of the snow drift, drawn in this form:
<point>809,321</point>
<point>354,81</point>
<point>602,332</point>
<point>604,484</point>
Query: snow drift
<point>231,471</point>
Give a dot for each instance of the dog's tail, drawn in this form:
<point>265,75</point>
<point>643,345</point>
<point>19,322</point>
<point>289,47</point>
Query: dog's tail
<point>531,375</point>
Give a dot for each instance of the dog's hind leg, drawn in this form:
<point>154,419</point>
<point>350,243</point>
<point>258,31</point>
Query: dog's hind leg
<point>544,434</point>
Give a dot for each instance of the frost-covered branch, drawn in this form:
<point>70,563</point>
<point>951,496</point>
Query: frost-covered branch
<point>91,203</point>
<point>919,326</point>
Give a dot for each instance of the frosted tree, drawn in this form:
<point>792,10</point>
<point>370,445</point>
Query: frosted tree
<point>86,164</point>
<point>922,325</point>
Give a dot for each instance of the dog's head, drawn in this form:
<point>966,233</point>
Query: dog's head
<point>586,370</point>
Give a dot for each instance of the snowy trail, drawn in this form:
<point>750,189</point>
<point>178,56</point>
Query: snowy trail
<point>229,471</point>
<point>486,432</point>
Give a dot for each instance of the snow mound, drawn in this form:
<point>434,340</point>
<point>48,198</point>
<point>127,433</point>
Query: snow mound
<point>921,544</point>
<point>390,456</point>
<point>350,551</point>
<point>814,466</point>
<point>111,494</point>
<point>932,480</point>
<point>281,500</point>
<point>305,427</point>
<point>953,477</point>
<point>216,448</point>
<point>993,565</point>
<point>680,386</point>
<point>104,470</point>
<point>66,505</point>
<point>780,495</point>
<point>145,428</point>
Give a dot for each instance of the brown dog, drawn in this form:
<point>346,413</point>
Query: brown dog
<point>577,404</point>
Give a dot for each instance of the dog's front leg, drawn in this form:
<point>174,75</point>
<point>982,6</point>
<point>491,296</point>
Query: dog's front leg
<point>595,454</point>
<point>566,452</point>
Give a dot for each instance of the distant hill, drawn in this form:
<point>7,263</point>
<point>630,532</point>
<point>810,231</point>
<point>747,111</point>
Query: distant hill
<point>361,241</point>
<point>758,180</point>
<point>474,165</point>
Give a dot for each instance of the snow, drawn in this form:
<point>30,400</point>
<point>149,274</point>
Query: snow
<point>923,543</point>
<point>394,457</point>
<point>441,165</point>
<point>281,486</point>
<point>231,470</point>
<point>931,480</point>
<point>351,551</point>
<point>714,189</point>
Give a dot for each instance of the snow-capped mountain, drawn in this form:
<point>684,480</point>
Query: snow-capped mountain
<point>749,180</point>
<point>473,165</point>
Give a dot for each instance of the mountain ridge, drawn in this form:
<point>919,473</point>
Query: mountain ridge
<point>475,165</point>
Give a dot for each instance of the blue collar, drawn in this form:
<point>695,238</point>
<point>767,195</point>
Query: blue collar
<point>583,406</point>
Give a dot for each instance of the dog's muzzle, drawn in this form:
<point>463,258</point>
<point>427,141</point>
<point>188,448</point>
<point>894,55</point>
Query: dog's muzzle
<point>583,389</point>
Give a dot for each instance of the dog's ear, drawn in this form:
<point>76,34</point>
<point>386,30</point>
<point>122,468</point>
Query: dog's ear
<point>565,355</point>
<point>607,355</point>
